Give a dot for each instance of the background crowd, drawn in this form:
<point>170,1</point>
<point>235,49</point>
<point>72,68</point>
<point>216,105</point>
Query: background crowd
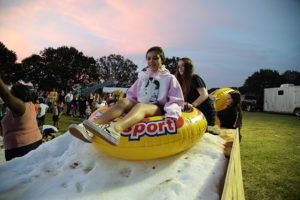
<point>72,103</point>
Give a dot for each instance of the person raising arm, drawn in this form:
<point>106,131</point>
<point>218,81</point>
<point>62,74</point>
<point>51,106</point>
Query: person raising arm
<point>19,126</point>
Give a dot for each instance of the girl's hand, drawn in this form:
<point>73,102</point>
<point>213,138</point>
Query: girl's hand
<point>214,98</point>
<point>170,119</point>
<point>187,106</point>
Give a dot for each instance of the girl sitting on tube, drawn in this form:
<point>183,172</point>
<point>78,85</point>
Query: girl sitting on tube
<point>156,92</point>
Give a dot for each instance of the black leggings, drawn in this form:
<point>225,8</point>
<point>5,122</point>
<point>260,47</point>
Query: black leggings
<point>210,117</point>
<point>21,151</point>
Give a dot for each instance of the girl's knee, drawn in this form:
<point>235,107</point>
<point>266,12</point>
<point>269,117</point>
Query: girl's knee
<point>124,103</point>
<point>139,106</point>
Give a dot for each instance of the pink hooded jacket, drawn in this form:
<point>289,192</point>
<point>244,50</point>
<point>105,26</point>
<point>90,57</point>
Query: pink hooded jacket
<point>159,87</point>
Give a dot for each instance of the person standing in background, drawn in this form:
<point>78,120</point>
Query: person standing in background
<point>61,101</point>
<point>52,97</point>
<point>68,100</point>
<point>88,112</point>
<point>82,106</point>
<point>55,114</point>
<point>37,104</point>
<point>42,112</point>
<point>75,105</point>
<point>35,95</point>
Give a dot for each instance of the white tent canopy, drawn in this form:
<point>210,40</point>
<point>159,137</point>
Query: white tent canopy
<point>112,89</point>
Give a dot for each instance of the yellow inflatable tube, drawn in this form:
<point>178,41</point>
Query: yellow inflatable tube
<point>220,95</point>
<point>155,137</point>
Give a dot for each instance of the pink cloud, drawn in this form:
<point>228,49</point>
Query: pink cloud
<point>125,27</point>
<point>16,42</point>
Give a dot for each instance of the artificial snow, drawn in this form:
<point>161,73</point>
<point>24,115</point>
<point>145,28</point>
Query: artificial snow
<point>66,168</point>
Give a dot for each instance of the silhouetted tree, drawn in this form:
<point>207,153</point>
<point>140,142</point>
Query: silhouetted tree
<point>292,77</point>
<point>116,67</point>
<point>10,71</point>
<point>258,81</point>
<point>60,68</point>
<point>33,67</point>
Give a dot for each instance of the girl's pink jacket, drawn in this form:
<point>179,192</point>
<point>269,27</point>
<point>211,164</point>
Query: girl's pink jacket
<point>161,88</point>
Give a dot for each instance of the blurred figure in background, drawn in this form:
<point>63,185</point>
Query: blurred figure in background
<point>88,112</point>
<point>116,96</point>
<point>53,96</point>
<point>42,112</point>
<point>55,114</point>
<point>61,101</point>
<point>37,104</point>
<point>68,100</point>
<point>82,106</point>
<point>75,105</point>
<point>35,95</point>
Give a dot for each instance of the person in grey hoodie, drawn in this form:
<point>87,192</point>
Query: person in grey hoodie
<point>156,92</point>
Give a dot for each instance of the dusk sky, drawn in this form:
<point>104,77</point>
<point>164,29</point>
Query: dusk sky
<point>227,40</point>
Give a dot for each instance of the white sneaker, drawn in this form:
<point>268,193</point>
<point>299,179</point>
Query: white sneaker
<point>104,131</point>
<point>81,133</point>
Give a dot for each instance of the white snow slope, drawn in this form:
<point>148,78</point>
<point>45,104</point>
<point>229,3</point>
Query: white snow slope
<point>66,168</point>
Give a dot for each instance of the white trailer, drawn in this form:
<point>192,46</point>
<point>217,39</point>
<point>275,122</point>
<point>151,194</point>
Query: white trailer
<point>285,99</point>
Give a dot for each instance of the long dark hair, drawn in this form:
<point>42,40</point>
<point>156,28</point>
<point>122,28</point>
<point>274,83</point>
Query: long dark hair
<point>159,51</point>
<point>22,92</point>
<point>185,80</point>
<point>236,104</point>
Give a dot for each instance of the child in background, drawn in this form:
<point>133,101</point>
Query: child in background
<point>42,112</point>
<point>55,114</point>
<point>88,112</point>
<point>37,103</point>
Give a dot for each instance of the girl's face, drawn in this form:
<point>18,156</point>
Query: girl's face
<point>180,67</point>
<point>154,61</point>
<point>229,100</point>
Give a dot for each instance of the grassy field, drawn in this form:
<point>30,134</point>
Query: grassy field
<point>270,154</point>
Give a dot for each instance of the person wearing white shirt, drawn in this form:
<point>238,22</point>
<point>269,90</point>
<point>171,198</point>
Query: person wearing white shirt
<point>42,112</point>
<point>68,100</point>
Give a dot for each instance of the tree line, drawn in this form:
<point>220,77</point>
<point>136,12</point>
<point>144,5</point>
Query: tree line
<point>267,78</point>
<point>64,67</point>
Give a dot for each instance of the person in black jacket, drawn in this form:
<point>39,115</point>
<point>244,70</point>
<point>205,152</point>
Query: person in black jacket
<point>82,106</point>
<point>231,116</point>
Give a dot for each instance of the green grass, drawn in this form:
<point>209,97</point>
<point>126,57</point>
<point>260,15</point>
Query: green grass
<point>270,154</point>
